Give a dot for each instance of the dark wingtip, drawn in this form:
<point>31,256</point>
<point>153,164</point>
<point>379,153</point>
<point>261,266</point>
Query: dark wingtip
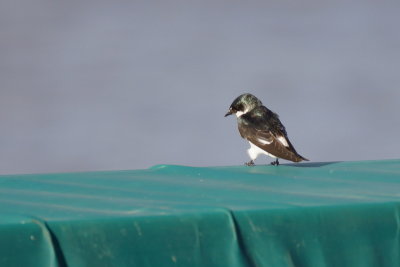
<point>300,158</point>
<point>304,159</point>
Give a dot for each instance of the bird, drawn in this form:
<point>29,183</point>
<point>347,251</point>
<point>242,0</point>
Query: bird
<point>263,129</point>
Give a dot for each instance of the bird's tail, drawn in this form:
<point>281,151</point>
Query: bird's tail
<point>300,158</point>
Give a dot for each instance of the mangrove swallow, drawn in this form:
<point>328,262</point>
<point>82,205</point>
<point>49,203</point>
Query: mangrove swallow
<point>263,129</point>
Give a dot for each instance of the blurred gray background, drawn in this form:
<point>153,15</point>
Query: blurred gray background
<point>106,85</point>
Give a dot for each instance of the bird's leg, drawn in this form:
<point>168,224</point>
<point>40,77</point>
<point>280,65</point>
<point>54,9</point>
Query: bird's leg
<point>275,162</point>
<point>250,163</point>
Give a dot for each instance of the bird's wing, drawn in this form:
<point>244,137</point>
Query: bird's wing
<point>263,128</point>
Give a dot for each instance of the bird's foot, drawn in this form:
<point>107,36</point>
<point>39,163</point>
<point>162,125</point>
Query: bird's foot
<point>275,162</point>
<point>250,163</point>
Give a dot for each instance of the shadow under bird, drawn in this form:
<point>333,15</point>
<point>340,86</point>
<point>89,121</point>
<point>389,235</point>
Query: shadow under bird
<point>263,129</point>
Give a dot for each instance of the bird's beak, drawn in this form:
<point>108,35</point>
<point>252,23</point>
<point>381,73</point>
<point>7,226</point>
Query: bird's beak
<point>230,112</point>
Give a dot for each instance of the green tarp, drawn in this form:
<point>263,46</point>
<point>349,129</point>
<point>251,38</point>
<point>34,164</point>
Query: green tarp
<point>311,214</point>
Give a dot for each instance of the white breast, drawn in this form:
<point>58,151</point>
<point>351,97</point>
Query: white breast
<point>254,151</point>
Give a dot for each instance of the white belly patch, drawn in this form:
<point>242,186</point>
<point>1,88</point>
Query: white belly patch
<point>254,151</point>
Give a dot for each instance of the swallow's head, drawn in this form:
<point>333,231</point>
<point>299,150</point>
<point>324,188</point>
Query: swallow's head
<point>243,104</point>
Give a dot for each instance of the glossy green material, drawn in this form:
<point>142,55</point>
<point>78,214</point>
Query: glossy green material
<point>311,214</point>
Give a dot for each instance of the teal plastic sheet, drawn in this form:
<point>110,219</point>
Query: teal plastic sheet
<point>310,214</point>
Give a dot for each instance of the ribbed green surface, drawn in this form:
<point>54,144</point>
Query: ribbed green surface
<point>312,214</point>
